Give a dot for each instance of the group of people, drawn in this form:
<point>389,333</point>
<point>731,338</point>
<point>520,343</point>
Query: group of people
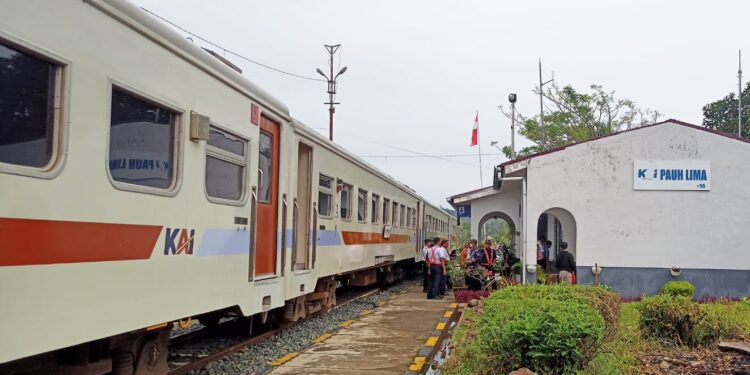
<point>564,265</point>
<point>435,277</point>
<point>484,262</point>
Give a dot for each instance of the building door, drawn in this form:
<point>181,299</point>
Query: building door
<point>303,206</point>
<point>268,199</point>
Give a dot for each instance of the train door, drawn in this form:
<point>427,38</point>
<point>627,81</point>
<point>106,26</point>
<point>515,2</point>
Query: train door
<point>302,207</point>
<point>268,200</point>
<point>420,237</point>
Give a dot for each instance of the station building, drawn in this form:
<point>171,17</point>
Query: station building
<point>662,202</point>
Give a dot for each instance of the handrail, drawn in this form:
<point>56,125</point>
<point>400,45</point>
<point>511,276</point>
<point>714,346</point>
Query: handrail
<point>295,209</point>
<point>260,180</point>
<point>253,229</point>
<point>314,238</point>
<point>283,233</point>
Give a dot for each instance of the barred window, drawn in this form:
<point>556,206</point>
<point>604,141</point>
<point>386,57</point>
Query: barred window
<point>386,210</point>
<point>375,208</point>
<point>141,141</point>
<point>394,218</point>
<point>362,205</point>
<point>28,103</point>
<point>402,216</point>
<point>225,165</point>
<point>346,202</point>
<point>325,195</point>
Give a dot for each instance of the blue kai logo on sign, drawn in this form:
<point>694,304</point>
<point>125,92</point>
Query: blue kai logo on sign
<point>183,245</point>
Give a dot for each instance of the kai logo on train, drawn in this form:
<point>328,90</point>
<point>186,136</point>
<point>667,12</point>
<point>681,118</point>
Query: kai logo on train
<point>671,175</point>
<point>178,241</point>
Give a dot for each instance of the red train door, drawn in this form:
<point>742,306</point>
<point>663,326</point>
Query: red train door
<point>268,200</point>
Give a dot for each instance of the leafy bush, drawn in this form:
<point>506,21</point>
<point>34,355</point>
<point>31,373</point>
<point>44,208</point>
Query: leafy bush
<point>545,335</point>
<point>463,296</point>
<point>681,321</point>
<point>678,288</point>
<point>605,301</point>
<point>551,329</point>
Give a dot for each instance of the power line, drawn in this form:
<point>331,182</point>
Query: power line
<point>405,150</point>
<point>230,51</point>
<point>427,156</point>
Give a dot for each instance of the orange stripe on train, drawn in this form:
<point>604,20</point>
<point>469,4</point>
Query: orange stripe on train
<point>365,238</point>
<point>26,242</point>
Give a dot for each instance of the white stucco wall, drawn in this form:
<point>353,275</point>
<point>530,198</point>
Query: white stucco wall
<point>619,227</point>
<point>508,202</point>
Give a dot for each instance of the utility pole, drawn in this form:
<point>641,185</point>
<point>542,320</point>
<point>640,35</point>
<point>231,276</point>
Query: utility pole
<point>512,99</point>
<point>739,96</point>
<point>331,86</point>
<point>541,104</point>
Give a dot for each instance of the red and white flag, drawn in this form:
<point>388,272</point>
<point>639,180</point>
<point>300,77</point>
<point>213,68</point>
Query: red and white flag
<point>475,132</point>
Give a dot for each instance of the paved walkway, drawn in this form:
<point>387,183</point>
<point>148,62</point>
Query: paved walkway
<point>382,342</point>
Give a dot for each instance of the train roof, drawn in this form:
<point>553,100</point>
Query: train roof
<point>343,152</point>
<point>155,30</point>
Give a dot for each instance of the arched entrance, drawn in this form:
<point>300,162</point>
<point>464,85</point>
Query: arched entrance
<point>500,227</point>
<point>557,225</point>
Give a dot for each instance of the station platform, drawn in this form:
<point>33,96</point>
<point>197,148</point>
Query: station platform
<point>392,339</point>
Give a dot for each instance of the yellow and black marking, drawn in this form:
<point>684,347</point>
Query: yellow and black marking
<point>322,338</point>
<point>431,345</point>
<point>284,359</point>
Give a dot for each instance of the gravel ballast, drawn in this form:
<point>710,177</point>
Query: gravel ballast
<point>256,359</point>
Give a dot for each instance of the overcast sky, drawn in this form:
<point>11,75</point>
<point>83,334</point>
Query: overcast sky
<point>417,70</point>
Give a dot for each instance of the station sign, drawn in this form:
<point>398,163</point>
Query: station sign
<point>688,174</point>
<point>464,211</point>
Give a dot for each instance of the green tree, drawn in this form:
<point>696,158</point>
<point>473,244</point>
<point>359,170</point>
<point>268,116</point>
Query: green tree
<point>571,116</point>
<point>722,114</point>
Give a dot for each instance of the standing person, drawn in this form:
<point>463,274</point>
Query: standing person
<point>504,257</point>
<point>547,247</point>
<point>471,265</point>
<point>442,245</point>
<point>437,269</point>
<point>540,259</point>
<point>566,263</point>
<point>425,265</point>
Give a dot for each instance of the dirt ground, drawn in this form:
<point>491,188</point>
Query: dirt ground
<point>697,361</point>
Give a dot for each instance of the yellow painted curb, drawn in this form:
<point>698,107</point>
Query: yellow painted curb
<point>322,338</point>
<point>286,358</point>
<point>415,367</point>
<point>448,314</point>
<point>346,323</point>
<point>440,326</point>
<point>366,312</point>
<point>454,305</point>
<point>419,360</point>
<point>431,341</point>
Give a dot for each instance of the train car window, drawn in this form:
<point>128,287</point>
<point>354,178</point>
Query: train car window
<point>394,213</point>
<point>362,205</point>
<point>402,216</point>
<point>265,164</point>
<point>225,165</point>
<point>375,208</point>
<point>346,202</point>
<point>325,195</point>
<point>142,139</point>
<point>28,107</point>
<point>386,211</point>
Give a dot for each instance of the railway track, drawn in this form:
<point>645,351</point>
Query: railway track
<point>196,362</point>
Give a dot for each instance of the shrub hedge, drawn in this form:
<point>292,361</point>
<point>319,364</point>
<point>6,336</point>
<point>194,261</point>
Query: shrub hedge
<point>678,288</point>
<point>551,329</point>
<point>605,301</point>
<point>678,320</point>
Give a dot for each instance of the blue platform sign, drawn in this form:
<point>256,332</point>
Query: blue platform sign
<point>464,211</point>
<point>688,174</point>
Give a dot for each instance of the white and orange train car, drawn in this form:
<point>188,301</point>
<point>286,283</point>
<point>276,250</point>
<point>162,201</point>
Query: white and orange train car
<point>144,181</point>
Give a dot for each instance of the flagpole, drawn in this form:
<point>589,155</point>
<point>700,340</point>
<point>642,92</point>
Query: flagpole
<point>479,150</point>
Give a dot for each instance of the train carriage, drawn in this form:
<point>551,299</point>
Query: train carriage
<point>145,181</point>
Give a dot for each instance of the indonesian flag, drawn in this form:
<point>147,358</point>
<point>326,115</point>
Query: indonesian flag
<point>475,131</point>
